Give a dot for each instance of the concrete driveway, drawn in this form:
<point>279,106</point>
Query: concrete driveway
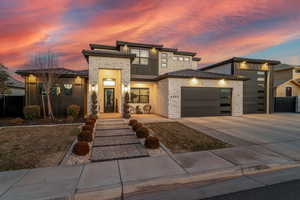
<point>255,135</point>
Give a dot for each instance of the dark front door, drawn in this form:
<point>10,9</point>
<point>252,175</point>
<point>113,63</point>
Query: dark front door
<point>109,100</point>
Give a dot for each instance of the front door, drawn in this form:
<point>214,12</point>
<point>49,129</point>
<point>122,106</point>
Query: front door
<point>109,100</point>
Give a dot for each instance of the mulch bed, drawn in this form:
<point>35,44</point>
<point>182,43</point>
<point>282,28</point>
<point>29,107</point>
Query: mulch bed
<point>8,122</point>
<point>180,138</point>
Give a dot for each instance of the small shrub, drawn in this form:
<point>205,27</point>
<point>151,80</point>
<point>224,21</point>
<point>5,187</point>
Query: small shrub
<point>32,112</point>
<point>69,119</point>
<point>86,136</point>
<point>152,142</point>
<point>93,117</point>
<point>17,121</point>
<point>132,122</point>
<point>142,132</point>
<point>137,126</point>
<point>87,128</point>
<point>81,148</point>
<point>73,110</point>
<point>90,123</point>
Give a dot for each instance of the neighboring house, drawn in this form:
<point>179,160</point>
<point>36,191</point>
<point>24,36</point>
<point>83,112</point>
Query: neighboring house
<point>167,79</point>
<point>11,103</point>
<point>71,88</point>
<point>258,90</point>
<point>287,80</point>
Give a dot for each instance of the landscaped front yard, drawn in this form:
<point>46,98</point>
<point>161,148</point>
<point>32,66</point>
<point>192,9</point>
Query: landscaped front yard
<point>180,138</point>
<point>33,147</point>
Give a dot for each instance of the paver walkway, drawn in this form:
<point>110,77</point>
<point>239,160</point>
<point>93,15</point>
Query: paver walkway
<point>115,141</point>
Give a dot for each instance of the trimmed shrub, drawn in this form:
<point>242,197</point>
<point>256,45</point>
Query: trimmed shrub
<point>142,132</point>
<point>132,122</point>
<point>86,136</point>
<point>90,122</point>
<point>32,112</point>
<point>87,128</point>
<point>152,142</point>
<point>93,117</point>
<point>81,148</point>
<point>137,126</point>
<point>17,121</point>
<point>73,110</point>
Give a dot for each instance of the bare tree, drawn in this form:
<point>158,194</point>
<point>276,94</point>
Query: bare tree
<point>4,77</point>
<point>46,64</point>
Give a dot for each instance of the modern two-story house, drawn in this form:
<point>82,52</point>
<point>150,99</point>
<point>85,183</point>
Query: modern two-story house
<point>167,79</point>
<point>164,80</point>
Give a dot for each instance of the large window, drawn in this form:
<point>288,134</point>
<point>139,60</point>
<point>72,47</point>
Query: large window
<point>139,95</point>
<point>142,56</point>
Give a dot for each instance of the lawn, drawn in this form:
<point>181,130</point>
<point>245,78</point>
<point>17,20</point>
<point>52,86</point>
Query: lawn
<point>31,147</point>
<point>180,138</point>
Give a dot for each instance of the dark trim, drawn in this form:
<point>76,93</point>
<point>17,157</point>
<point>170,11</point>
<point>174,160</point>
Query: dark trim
<point>240,59</point>
<point>196,59</point>
<point>100,46</point>
<point>213,78</point>
<point>169,49</point>
<point>62,72</point>
<point>88,53</point>
<point>185,53</point>
<point>132,44</point>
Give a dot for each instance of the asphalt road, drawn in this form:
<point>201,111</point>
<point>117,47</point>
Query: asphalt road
<point>283,191</point>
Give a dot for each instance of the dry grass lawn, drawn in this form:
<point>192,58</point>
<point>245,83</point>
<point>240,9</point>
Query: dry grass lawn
<point>31,147</point>
<point>180,138</point>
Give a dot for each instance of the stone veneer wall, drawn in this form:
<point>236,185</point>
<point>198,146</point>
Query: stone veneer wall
<point>97,62</point>
<point>173,85</point>
<point>175,65</point>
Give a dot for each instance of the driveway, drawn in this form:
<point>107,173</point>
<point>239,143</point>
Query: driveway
<point>275,134</point>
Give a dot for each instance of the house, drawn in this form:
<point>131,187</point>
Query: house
<point>160,80</point>
<point>167,79</point>
<point>258,90</point>
<point>12,102</point>
<point>70,88</point>
<point>287,80</point>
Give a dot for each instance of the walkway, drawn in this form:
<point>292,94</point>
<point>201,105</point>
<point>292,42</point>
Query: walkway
<point>115,141</point>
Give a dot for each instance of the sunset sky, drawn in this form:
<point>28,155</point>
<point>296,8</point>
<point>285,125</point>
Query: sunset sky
<point>215,29</point>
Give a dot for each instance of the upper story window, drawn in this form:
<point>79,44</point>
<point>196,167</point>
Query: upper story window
<point>187,59</point>
<point>180,58</point>
<point>142,56</point>
<point>164,60</point>
<point>297,71</point>
<point>175,58</point>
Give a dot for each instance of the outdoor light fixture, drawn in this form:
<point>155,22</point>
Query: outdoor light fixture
<point>222,82</point>
<point>93,87</point>
<point>194,80</point>
<point>109,82</point>
<point>126,88</point>
<point>265,67</point>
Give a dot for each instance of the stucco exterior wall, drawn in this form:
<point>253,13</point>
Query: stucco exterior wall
<point>162,98</point>
<point>174,94</point>
<point>96,63</point>
<point>281,90</point>
<point>174,65</point>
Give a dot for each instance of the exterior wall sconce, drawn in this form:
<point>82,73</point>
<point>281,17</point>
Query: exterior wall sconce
<point>243,65</point>
<point>126,88</point>
<point>265,67</point>
<point>222,82</point>
<point>93,87</point>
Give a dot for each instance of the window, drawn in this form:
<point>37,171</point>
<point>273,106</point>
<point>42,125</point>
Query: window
<point>142,56</point>
<point>175,58</point>
<point>260,73</point>
<point>164,60</point>
<point>67,89</point>
<point>139,95</point>
<point>260,78</point>
<point>297,71</point>
<point>288,91</point>
<point>180,58</point>
<point>186,59</point>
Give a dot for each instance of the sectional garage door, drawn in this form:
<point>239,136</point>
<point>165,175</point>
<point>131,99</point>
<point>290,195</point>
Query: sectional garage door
<point>196,102</point>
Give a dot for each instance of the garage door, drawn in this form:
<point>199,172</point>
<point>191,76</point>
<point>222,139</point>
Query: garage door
<point>197,102</point>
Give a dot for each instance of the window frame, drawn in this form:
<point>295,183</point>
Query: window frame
<point>138,56</point>
<point>139,95</point>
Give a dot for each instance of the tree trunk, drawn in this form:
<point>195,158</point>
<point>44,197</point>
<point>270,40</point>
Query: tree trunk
<point>50,113</point>
<point>43,104</point>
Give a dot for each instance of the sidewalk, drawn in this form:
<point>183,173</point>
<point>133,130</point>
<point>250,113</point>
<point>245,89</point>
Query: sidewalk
<point>143,178</point>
